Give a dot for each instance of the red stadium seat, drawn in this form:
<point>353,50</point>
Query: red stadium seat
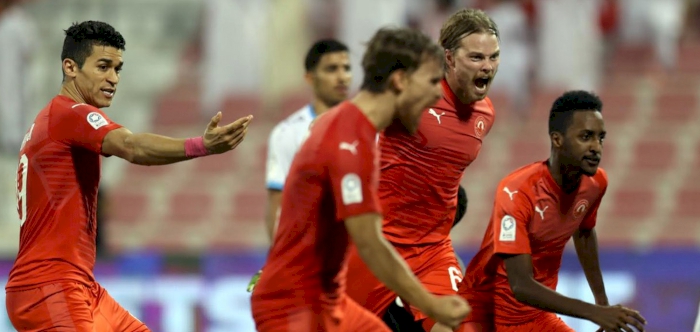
<point>127,207</point>
<point>618,107</point>
<point>654,155</point>
<point>236,106</point>
<point>189,207</point>
<point>249,206</point>
<point>630,203</point>
<point>527,150</point>
<point>673,107</point>
<point>178,106</point>
<point>687,203</point>
<point>216,165</point>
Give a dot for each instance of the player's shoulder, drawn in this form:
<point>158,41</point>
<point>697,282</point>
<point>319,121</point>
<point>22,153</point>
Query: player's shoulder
<point>524,177</point>
<point>600,178</point>
<point>296,123</point>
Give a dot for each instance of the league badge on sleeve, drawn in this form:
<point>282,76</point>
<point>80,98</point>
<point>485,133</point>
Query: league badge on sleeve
<point>507,229</point>
<point>96,120</point>
<point>351,189</point>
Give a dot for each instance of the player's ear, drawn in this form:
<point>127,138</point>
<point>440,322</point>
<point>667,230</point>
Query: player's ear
<point>309,77</point>
<point>397,80</point>
<point>557,139</point>
<point>70,68</point>
<point>450,58</point>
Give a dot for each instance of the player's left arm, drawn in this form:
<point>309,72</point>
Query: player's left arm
<point>586,243</point>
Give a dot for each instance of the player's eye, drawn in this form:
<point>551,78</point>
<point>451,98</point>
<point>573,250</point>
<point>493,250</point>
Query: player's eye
<point>102,67</point>
<point>477,58</point>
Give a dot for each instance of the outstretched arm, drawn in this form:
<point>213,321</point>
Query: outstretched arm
<point>152,149</point>
<point>586,243</point>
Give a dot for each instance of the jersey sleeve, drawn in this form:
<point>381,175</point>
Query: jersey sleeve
<point>592,217</point>
<point>81,125</point>
<point>280,153</point>
<point>354,175</point>
<point>510,220</point>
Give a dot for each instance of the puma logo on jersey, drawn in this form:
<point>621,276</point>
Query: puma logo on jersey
<point>510,193</point>
<point>437,116</point>
<point>541,211</point>
<point>348,146</point>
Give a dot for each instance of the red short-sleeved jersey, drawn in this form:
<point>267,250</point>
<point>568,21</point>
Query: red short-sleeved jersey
<point>333,177</point>
<point>57,180</point>
<point>531,215</point>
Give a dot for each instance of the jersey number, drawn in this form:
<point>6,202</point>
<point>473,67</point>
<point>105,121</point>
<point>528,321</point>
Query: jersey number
<point>22,188</point>
<point>455,277</point>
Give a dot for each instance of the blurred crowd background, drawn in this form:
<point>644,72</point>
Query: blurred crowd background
<point>178,243</point>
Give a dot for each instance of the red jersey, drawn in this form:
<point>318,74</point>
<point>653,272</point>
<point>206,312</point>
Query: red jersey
<point>57,179</point>
<point>531,215</point>
<point>333,177</point>
<point>420,174</point>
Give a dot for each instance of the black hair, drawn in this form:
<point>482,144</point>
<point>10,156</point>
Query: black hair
<point>319,49</point>
<point>563,109</point>
<point>81,37</point>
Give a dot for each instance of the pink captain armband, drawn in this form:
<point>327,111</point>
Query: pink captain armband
<point>194,147</point>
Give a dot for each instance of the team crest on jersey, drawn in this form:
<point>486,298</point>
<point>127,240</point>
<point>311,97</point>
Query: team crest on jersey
<point>480,126</point>
<point>96,120</point>
<point>580,209</point>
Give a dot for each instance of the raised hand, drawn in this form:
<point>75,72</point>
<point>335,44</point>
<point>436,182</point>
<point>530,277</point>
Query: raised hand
<point>221,139</point>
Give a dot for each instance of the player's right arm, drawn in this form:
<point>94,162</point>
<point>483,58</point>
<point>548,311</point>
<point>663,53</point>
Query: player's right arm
<point>354,180</point>
<point>151,149</point>
<point>513,212</point>
<point>391,269</point>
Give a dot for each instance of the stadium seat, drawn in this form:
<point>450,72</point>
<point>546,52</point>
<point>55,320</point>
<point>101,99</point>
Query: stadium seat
<point>673,107</point>
<point>633,203</point>
<point>189,207</point>
<point>249,205</point>
<point>654,156</point>
<point>215,165</point>
<point>127,207</point>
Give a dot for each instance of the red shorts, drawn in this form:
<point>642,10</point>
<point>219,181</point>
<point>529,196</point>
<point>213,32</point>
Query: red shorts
<point>68,306</point>
<point>353,318</point>
<point>435,266</point>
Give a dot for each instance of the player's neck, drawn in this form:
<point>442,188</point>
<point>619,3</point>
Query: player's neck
<point>379,108</point>
<point>69,90</point>
<point>319,107</point>
<point>456,90</point>
<point>567,179</point>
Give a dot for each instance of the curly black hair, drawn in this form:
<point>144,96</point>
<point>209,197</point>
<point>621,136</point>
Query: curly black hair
<point>81,37</point>
<point>571,101</point>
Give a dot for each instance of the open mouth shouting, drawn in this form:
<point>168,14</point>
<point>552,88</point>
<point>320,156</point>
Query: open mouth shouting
<point>481,84</point>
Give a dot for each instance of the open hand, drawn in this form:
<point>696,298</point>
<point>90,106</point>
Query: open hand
<point>221,139</point>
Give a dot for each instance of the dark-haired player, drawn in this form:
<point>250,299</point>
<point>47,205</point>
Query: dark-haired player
<point>327,66</point>
<point>51,285</point>
<point>511,281</point>
<point>331,199</point>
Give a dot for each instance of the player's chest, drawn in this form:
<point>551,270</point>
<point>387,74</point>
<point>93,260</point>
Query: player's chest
<point>557,219</point>
<point>456,138</point>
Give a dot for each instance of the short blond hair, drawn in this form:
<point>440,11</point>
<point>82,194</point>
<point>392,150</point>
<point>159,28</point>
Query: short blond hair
<point>464,23</point>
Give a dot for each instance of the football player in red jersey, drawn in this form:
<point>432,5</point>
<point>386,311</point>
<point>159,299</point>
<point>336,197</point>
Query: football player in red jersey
<point>51,285</point>
<point>511,282</point>
<point>331,199</point>
<point>421,173</point>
